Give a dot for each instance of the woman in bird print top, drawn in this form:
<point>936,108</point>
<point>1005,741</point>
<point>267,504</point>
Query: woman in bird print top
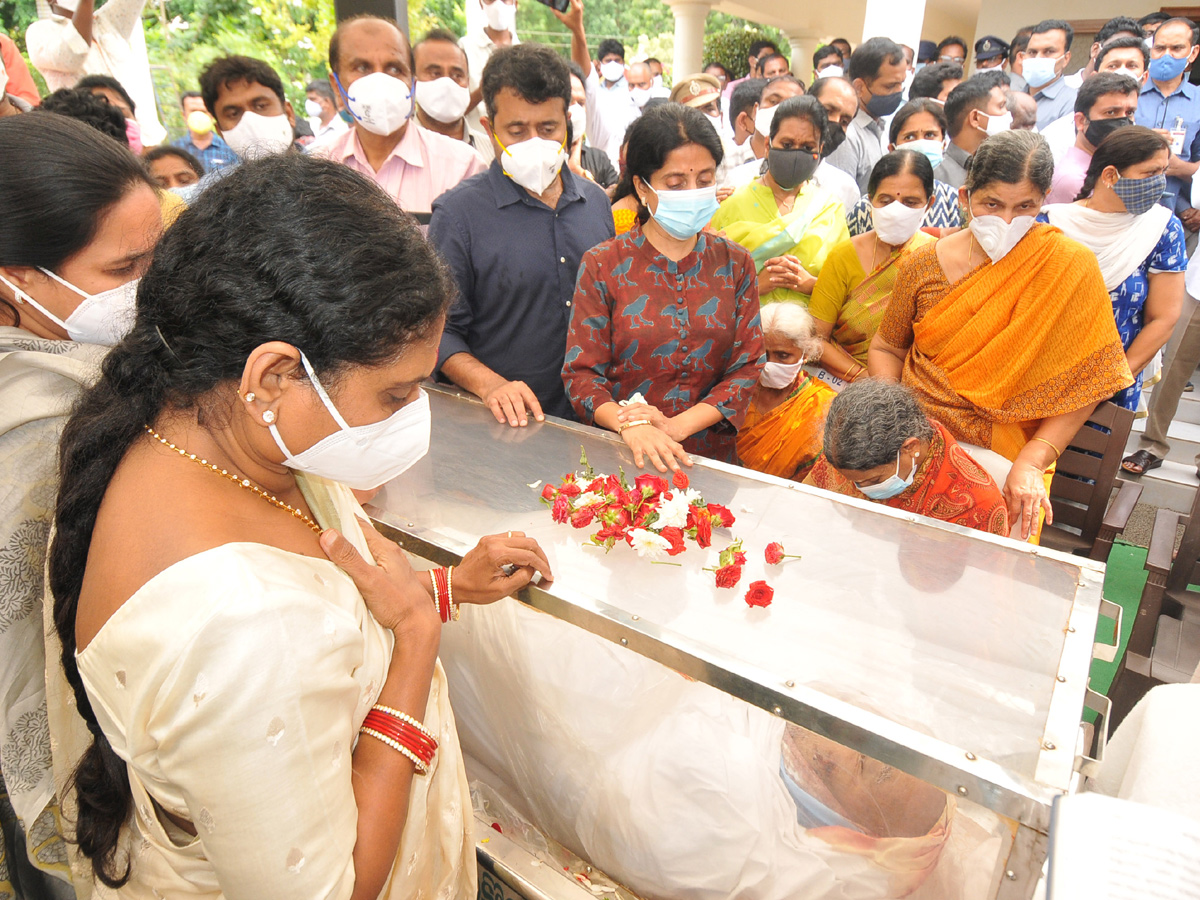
<point>667,311</point>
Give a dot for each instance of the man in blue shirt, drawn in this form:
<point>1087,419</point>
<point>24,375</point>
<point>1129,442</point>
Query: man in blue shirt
<point>207,146</point>
<point>513,238</point>
<point>1167,96</point>
<point>1046,59</point>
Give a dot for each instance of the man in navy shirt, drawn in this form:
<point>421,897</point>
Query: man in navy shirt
<point>513,238</point>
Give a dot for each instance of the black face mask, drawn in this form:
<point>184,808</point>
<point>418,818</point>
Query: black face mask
<point>837,136</point>
<point>1099,129</point>
<point>791,168</point>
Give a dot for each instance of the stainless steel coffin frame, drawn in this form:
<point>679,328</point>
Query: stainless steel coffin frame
<point>1024,800</point>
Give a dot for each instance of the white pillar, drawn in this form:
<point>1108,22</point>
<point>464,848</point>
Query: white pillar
<point>900,20</point>
<point>801,47</point>
<point>689,36</point>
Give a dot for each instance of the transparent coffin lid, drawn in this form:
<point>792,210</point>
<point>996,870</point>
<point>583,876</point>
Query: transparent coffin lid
<point>952,636</point>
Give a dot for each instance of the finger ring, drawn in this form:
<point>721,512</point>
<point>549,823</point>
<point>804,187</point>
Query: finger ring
<point>510,534</point>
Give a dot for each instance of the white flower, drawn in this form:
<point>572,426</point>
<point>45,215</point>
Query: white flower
<point>587,498</point>
<point>673,512</point>
<point>648,544</point>
<point>691,495</point>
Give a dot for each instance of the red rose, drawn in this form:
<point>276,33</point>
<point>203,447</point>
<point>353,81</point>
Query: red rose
<point>703,531</point>
<point>728,576</point>
<point>570,489</point>
<point>675,536</point>
<point>680,480</point>
<point>760,594</point>
<point>621,518</point>
<point>647,480</point>
<point>722,513</point>
<point>597,486</point>
<point>561,510</point>
<point>582,518</point>
<point>774,553</point>
<point>549,492</point>
<point>610,531</point>
<point>739,558</point>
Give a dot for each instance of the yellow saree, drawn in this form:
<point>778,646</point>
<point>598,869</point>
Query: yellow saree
<point>786,442</point>
<point>1010,344</point>
<point>815,225</point>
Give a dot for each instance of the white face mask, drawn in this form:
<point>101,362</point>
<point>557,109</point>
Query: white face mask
<point>996,236</point>
<point>896,223</point>
<point>533,164</point>
<point>500,16</point>
<point>443,99</point>
<point>613,70</point>
<point>998,124</point>
<point>779,375</point>
<point>313,109</point>
<point>578,116</point>
<point>831,72</point>
<point>656,81</point>
<point>363,456</point>
<point>103,318</point>
<point>257,136</point>
<point>762,120</point>
<point>3,78</point>
<point>380,102</point>
<point>641,96</point>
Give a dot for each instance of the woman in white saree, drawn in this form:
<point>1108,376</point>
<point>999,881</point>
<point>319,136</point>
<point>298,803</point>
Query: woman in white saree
<point>78,220</point>
<point>228,620</point>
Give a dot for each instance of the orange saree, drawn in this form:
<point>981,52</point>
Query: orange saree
<point>949,485</point>
<point>1010,344</point>
<point>787,441</point>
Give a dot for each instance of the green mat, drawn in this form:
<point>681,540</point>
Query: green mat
<point>1123,583</point>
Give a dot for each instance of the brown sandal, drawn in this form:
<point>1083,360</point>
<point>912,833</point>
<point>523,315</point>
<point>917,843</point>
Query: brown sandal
<point>1140,463</point>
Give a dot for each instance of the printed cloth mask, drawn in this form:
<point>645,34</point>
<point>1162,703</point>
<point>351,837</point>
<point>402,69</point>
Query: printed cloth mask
<point>997,124</point>
<point>613,70</point>
<point>500,16</point>
<point>534,163</point>
<point>443,99</point>
<point>1167,67</point>
<point>363,456</point>
<point>133,134</point>
<point>1099,129</point>
<point>258,136</point>
<point>682,214</point>
<point>577,114</point>
<point>1039,70</point>
<point>640,96</point>
<point>762,120</point>
<point>896,223</point>
<point>893,485</point>
<point>1140,194</point>
<point>313,109</point>
<point>935,151</point>
<point>998,237</point>
<point>779,375</point>
<point>382,103</point>
<point>791,168</point>
<point>831,72</point>
<point>880,106</point>
<point>102,318</point>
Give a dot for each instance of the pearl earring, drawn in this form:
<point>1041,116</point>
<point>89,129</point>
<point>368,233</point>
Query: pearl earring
<point>250,397</point>
<point>269,416</point>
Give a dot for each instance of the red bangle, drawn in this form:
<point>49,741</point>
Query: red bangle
<point>402,733</point>
<point>443,594</point>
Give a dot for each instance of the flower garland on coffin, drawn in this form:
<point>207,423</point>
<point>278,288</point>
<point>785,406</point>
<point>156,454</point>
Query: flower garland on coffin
<point>651,515</point>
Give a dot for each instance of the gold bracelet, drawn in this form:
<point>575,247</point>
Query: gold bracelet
<point>633,424</point>
<point>421,768</point>
<point>1057,452</point>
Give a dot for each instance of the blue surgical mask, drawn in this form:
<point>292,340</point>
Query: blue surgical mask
<point>1039,70</point>
<point>893,486</point>
<point>1140,194</point>
<point>934,151</point>
<point>683,214</point>
<point>1166,67</point>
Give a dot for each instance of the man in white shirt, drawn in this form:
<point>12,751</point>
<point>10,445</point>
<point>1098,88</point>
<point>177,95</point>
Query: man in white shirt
<point>877,70</point>
<point>500,31</point>
<point>72,39</point>
<point>322,110</point>
<point>443,91</point>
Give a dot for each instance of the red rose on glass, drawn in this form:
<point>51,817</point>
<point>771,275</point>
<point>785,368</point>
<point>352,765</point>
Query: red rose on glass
<point>728,576</point>
<point>549,492</point>
<point>774,554</point>
<point>561,511</point>
<point>759,594</point>
<point>722,513</point>
<point>680,480</point>
<point>646,480</point>
<point>570,489</point>
<point>582,518</point>
<point>703,529</point>
<point>675,536</point>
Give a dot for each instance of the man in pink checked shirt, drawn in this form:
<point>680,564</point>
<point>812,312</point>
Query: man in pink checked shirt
<point>372,73</point>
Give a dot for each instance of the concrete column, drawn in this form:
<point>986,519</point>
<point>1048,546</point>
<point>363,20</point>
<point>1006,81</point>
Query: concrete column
<point>801,47</point>
<point>900,20</point>
<point>689,35</point>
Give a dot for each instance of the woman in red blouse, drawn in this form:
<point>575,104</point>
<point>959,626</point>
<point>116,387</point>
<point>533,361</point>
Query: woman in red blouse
<point>667,311</point>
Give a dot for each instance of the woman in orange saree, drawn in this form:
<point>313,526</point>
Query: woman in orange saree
<point>1004,331</point>
<point>782,431</point>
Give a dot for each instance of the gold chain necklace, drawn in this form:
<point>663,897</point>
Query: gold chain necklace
<point>240,482</point>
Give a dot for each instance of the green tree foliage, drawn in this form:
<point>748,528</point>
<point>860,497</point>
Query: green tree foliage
<point>730,43</point>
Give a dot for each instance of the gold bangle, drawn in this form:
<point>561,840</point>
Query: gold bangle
<point>1057,452</point>
<point>421,768</point>
<point>633,424</point>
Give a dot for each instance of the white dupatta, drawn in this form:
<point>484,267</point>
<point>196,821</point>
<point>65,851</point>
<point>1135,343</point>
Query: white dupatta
<point>1121,241</point>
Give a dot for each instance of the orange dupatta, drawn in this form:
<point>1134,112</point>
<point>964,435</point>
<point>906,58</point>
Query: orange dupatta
<point>787,440</point>
<point>1016,342</point>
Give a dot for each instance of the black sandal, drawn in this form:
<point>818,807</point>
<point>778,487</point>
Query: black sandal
<point>1140,463</point>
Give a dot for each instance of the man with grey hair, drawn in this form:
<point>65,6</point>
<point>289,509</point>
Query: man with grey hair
<point>880,445</point>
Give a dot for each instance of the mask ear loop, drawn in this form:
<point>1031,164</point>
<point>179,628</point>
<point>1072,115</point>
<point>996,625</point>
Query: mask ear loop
<point>326,402</point>
<point>411,99</point>
<point>22,297</point>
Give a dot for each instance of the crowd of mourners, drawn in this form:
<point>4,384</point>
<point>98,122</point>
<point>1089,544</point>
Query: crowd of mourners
<point>908,275</point>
